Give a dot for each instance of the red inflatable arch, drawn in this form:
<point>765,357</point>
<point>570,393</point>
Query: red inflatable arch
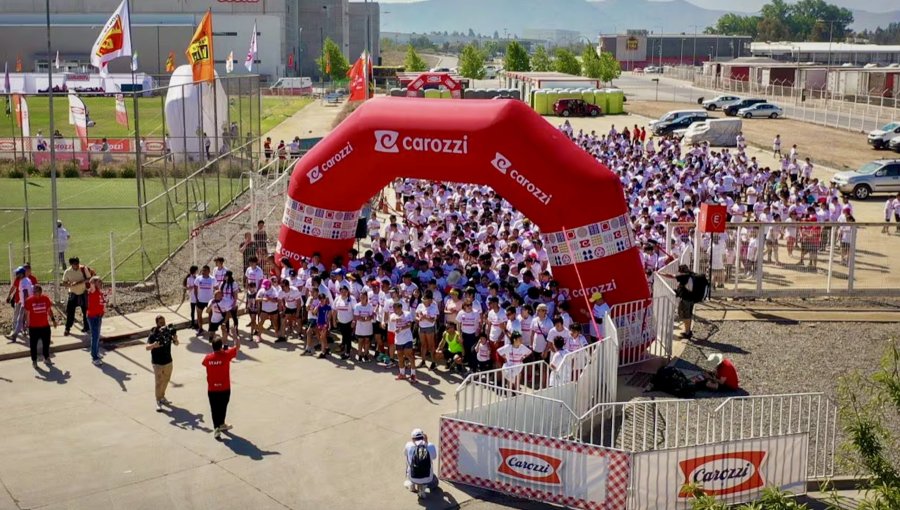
<point>575,201</point>
<point>444,79</point>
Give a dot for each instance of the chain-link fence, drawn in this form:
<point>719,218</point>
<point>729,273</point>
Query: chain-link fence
<point>860,110</point>
<point>137,202</point>
<point>795,259</point>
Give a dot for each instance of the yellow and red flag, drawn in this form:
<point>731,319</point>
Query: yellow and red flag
<point>170,62</point>
<point>200,50</point>
<point>114,40</point>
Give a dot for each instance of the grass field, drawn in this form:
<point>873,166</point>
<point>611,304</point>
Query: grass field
<point>90,228</point>
<point>102,111</point>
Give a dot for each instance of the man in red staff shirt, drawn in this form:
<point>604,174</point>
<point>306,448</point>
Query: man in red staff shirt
<point>218,379</point>
<point>725,377</point>
<point>38,315</point>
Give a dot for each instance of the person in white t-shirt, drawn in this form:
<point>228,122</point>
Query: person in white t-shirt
<point>514,354</point>
<point>268,299</point>
<point>363,326</point>
<point>541,325</point>
<point>426,316</point>
<point>403,338</point>
<point>343,311</point>
<point>560,371</point>
<point>290,307</point>
<point>204,288</point>
<point>598,312</point>
<point>469,323</point>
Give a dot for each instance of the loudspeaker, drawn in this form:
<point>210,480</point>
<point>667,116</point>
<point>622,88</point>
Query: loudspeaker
<point>361,228</point>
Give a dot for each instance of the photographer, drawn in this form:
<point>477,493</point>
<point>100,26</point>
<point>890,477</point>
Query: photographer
<point>160,346</point>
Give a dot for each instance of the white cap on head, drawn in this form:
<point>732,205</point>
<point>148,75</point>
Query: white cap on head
<point>716,358</point>
<point>418,434</point>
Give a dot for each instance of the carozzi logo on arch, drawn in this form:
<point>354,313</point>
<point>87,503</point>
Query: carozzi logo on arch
<point>391,142</point>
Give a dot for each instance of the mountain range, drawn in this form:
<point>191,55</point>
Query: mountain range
<point>587,17</point>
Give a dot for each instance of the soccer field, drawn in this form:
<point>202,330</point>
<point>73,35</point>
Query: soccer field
<point>90,229</point>
<point>103,112</point>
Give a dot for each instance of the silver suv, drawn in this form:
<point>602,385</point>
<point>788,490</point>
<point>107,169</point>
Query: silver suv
<point>881,176</point>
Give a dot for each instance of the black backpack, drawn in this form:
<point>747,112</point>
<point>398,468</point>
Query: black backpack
<point>672,381</point>
<point>420,467</point>
<point>701,288</point>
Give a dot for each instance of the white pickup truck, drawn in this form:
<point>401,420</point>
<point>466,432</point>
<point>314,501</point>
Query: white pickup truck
<point>881,138</point>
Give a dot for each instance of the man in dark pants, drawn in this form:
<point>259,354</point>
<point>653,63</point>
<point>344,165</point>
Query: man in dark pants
<point>218,378</point>
<point>38,315</point>
<point>74,279</point>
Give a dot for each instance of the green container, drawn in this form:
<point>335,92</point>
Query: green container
<point>540,102</point>
<point>552,98</point>
<point>432,94</point>
<point>445,94</point>
<point>588,97</point>
<point>601,99</point>
<point>616,102</point>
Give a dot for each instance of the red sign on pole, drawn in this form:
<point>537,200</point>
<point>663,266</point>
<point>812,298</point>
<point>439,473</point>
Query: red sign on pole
<point>712,218</point>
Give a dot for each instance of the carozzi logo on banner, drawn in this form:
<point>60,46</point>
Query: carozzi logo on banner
<point>530,466</point>
<point>390,142</point>
<point>317,172</point>
<point>504,166</point>
<point>724,474</point>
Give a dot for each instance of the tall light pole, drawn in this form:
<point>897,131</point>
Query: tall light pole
<point>831,23</point>
<point>368,55</point>
<point>694,57</point>
<point>53,199</point>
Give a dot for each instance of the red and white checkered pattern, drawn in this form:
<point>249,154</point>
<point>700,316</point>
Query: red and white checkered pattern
<point>617,481</point>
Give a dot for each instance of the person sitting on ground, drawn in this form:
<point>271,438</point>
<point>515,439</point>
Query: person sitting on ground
<point>725,378</point>
<point>420,457</point>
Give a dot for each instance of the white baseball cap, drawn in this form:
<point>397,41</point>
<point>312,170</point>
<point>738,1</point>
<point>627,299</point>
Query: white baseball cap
<point>418,434</point>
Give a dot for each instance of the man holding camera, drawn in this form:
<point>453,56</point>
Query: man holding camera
<point>160,346</point>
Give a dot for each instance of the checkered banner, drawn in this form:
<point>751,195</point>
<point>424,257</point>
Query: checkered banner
<point>590,242</point>
<point>318,222</point>
<point>539,468</point>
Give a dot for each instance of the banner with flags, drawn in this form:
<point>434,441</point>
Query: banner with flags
<point>170,62</point>
<point>229,62</point>
<point>200,50</point>
<point>134,61</point>
<point>359,78</point>
<point>114,40</point>
<point>19,65</point>
<point>121,111</point>
<point>78,118</point>
<point>251,54</point>
<point>23,120</point>
<point>57,60</point>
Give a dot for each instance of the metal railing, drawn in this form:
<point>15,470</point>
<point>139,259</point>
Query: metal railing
<point>798,259</point>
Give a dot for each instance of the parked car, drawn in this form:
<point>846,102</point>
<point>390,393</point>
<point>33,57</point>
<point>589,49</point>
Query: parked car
<point>665,128</point>
<point>764,110</point>
<point>677,114</point>
<point>653,70</point>
<point>881,176</point>
<point>882,138</point>
<point>440,70</point>
<point>719,102</point>
<point>895,144</point>
<point>732,109</point>
<point>638,70</point>
<point>576,108</point>
<point>491,71</point>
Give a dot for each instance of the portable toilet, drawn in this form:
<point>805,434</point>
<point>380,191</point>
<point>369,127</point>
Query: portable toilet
<point>601,99</point>
<point>445,94</point>
<point>540,102</point>
<point>515,94</point>
<point>432,94</point>
<point>588,97</point>
<point>616,102</point>
<point>469,94</point>
<point>396,92</point>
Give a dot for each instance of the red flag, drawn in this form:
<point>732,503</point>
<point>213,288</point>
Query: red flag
<point>291,61</point>
<point>357,75</point>
<point>19,63</point>
<point>327,63</point>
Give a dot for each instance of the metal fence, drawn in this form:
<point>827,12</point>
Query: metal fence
<point>796,259</point>
<point>133,214</point>
<point>856,110</point>
<point>536,399</point>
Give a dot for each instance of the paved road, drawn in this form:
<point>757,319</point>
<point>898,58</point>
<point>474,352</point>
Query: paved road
<point>669,89</point>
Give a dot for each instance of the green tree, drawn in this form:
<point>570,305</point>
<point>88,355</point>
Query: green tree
<point>540,61</point>
<point>805,20</point>
<point>567,62</point>
<point>516,58</point>
<point>735,24</point>
<point>590,62</point>
<point>334,58</point>
<point>471,62</point>
<point>610,69</point>
<point>413,62</point>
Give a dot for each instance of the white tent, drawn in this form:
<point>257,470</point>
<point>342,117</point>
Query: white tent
<point>192,114</point>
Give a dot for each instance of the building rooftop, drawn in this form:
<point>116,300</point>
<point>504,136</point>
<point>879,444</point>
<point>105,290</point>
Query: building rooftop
<point>824,47</point>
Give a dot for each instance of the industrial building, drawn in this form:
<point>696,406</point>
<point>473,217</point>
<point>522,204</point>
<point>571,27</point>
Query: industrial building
<point>160,26</point>
<point>640,48</point>
<point>555,36</point>
<point>835,53</point>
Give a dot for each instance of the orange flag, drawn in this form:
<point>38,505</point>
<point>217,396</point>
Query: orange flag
<point>170,62</point>
<point>200,50</point>
<point>19,63</point>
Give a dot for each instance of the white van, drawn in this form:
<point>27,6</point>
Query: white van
<point>718,132</point>
<point>677,114</point>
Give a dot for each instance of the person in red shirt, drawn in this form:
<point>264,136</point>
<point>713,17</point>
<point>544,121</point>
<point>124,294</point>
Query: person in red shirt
<point>38,315</point>
<point>96,307</point>
<point>725,377</point>
<point>218,379</point>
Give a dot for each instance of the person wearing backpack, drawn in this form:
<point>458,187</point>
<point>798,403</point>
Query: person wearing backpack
<point>420,457</point>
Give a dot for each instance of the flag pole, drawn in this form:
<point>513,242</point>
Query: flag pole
<point>139,170</point>
<point>53,197</point>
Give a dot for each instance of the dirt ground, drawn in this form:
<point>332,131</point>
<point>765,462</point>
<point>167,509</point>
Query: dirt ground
<point>827,146</point>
